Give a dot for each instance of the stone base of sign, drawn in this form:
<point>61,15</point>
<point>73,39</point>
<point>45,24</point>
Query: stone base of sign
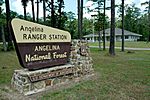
<point>29,82</point>
<point>78,67</point>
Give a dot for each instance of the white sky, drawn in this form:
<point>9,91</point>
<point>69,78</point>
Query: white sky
<point>70,5</point>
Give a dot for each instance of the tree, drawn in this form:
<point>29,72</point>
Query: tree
<point>104,26</point>
<point>53,21</point>
<point>24,3</point>
<point>81,22</point>
<point>99,20</point>
<point>149,18</point>
<point>112,32</point>
<point>2,15</point>
<point>57,17</point>
<point>33,13</point>
<point>2,27</point>
<point>87,26</point>
<point>148,9</point>
<point>100,3</point>
<point>103,20</point>
<point>1,3</point>
<point>60,6</point>
<point>44,9</point>
<point>131,18</point>
<point>52,10</point>
<point>80,8</point>
<point>122,48</point>
<point>37,18</point>
<point>10,44</point>
<point>70,24</point>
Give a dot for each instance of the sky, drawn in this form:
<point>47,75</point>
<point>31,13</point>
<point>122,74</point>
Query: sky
<point>70,5</point>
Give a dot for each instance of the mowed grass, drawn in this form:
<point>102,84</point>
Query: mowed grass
<point>8,63</point>
<point>125,76</point>
<point>126,44</point>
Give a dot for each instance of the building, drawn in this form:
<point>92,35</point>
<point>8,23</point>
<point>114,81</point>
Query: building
<point>128,36</point>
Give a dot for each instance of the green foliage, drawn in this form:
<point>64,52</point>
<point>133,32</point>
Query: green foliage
<point>147,9</point>
<point>134,21</point>
<point>99,22</point>
<point>1,2</point>
<point>87,26</point>
<point>57,16</point>
<point>71,24</point>
<point>24,2</point>
<point>131,18</point>
<point>100,16</point>
<point>2,17</point>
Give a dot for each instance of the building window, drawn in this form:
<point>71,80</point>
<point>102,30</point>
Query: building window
<point>126,37</point>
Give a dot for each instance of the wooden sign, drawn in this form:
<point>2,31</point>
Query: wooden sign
<point>40,46</point>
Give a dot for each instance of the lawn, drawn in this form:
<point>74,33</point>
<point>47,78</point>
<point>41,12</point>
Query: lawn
<point>123,77</point>
<point>127,44</point>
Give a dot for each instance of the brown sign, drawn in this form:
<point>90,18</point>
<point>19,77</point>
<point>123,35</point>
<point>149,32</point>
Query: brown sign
<point>40,46</point>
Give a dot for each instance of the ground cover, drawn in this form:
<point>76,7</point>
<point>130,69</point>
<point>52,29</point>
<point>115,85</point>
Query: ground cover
<point>127,44</point>
<point>125,76</point>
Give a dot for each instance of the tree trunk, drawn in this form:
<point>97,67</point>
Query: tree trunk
<point>52,14</point>
<point>44,11</point>
<point>104,26</point>
<point>149,18</point>
<point>10,45</point>
<point>99,34</point>
<point>112,32</point>
<point>59,11</point>
<point>7,10</point>
<point>3,38</point>
<point>0,10</point>
<point>25,14</point>
<point>32,3</point>
<point>79,19</point>
<point>37,19</point>
<point>122,49</point>
<point>99,37</point>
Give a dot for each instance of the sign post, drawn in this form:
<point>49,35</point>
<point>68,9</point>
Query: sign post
<point>40,46</point>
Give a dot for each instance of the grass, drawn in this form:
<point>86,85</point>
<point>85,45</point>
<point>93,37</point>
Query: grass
<point>123,77</point>
<point>127,44</point>
<point>8,63</point>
